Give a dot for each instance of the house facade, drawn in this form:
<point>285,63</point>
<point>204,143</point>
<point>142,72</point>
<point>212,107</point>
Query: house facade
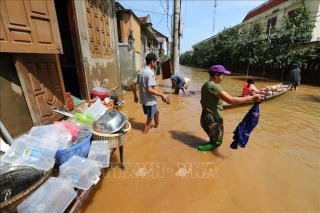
<point>271,14</point>
<point>164,45</point>
<point>136,40</point>
<point>48,48</point>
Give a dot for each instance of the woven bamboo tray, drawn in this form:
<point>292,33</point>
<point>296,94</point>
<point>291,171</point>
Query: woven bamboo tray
<point>115,140</point>
<point>10,205</point>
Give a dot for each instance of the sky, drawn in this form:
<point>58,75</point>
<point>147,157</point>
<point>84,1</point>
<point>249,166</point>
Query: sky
<point>198,16</point>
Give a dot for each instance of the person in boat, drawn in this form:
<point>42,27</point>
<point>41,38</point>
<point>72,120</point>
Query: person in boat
<point>147,94</point>
<point>212,97</point>
<point>295,77</point>
<point>249,88</point>
<point>179,82</point>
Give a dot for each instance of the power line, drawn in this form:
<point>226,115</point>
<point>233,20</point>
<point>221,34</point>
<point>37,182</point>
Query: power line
<point>162,6</point>
<point>162,14</point>
<point>168,17</point>
<point>147,11</point>
<point>214,15</point>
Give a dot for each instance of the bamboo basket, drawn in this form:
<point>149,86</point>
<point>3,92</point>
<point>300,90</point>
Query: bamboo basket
<point>120,108</point>
<point>10,205</point>
<point>116,139</point>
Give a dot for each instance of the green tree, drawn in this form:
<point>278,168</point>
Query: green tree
<point>251,47</point>
<point>185,59</point>
<point>295,30</point>
<point>163,57</point>
<point>202,55</point>
<point>225,47</point>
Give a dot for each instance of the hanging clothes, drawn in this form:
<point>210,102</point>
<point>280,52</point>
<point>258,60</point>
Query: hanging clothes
<point>245,127</point>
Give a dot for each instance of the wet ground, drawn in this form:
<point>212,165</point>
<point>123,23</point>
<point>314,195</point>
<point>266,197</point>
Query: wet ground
<point>278,171</point>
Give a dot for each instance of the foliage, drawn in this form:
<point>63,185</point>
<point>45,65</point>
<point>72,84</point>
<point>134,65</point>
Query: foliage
<point>226,46</point>
<point>203,55</point>
<point>294,31</point>
<point>163,57</point>
<point>185,58</point>
<point>250,45</point>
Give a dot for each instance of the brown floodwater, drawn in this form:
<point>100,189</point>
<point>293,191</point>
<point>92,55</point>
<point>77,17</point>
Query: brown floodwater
<point>278,170</point>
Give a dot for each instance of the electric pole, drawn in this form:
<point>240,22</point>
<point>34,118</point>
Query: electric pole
<point>176,37</point>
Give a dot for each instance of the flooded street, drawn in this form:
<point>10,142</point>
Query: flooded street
<point>278,170</point>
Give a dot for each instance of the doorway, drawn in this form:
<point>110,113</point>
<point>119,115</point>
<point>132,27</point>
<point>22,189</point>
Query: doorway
<point>70,60</point>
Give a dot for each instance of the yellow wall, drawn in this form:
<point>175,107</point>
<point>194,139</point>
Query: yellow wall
<point>125,26</point>
<point>136,33</point>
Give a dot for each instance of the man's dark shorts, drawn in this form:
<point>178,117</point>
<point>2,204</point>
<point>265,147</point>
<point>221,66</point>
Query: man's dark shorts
<point>149,110</point>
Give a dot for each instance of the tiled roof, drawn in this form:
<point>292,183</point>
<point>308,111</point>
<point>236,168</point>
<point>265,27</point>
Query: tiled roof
<point>262,8</point>
<point>158,34</point>
<point>142,19</point>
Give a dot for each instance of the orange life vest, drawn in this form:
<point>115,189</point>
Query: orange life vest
<point>246,90</point>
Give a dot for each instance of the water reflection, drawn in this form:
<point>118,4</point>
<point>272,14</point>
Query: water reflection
<point>278,171</point>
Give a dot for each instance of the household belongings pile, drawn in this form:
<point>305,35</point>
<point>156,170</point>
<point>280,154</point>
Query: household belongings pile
<point>272,90</point>
<point>26,167</point>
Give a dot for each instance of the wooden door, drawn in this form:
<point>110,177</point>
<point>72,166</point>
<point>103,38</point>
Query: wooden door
<point>28,26</point>
<point>166,69</point>
<point>42,85</point>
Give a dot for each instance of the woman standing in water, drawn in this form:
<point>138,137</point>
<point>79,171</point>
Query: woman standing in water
<point>212,97</point>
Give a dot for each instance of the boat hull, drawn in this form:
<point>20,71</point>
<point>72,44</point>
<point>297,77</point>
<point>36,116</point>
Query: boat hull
<point>285,87</point>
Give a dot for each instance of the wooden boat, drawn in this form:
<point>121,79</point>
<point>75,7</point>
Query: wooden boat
<point>271,93</point>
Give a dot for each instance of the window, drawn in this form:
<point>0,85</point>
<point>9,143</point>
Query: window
<point>271,23</point>
<point>160,45</point>
<point>143,42</point>
<point>119,28</point>
<point>291,14</point>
